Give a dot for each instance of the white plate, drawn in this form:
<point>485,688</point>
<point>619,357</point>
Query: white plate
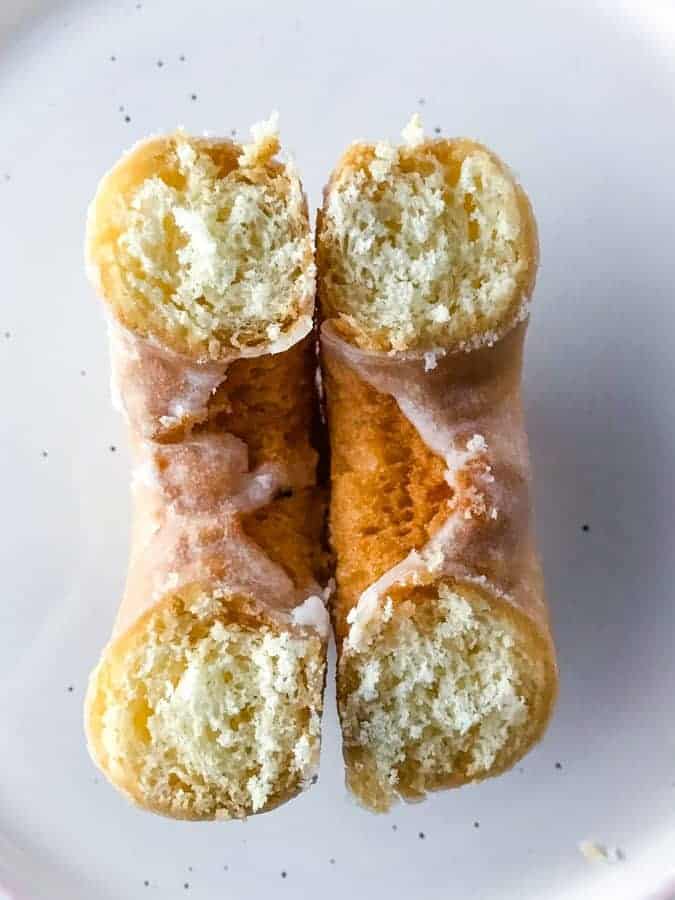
<point>580,102</point>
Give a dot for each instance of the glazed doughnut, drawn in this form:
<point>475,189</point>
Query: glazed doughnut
<point>206,703</point>
<point>427,256</point>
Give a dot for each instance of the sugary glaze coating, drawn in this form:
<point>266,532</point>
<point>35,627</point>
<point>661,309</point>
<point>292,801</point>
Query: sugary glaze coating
<point>207,701</point>
<point>446,668</point>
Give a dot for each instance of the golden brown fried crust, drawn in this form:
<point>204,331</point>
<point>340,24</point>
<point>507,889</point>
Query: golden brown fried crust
<point>388,490</point>
<point>269,403</point>
<point>289,530</point>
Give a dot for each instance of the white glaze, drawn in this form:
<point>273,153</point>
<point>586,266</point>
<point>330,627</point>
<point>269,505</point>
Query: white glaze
<point>158,390</point>
<point>312,613</point>
<point>189,498</point>
<point>473,444</point>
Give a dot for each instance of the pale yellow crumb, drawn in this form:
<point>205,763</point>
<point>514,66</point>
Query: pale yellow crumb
<point>447,700</point>
<point>413,133</point>
<point>265,142</point>
<point>428,244</point>
<point>203,718</point>
<point>203,245</point>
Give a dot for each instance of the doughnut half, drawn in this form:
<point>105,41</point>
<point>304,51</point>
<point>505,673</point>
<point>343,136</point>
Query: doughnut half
<point>206,703</point>
<point>427,258</point>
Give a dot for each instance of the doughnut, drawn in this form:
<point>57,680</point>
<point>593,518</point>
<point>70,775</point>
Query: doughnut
<point>206,702</point>
<point>427,255</point>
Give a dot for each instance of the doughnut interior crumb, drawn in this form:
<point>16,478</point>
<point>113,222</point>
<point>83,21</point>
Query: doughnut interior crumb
<point>427,245</point>
<point>202,244</point>
<point>199,717</point>
<point>441,694</point>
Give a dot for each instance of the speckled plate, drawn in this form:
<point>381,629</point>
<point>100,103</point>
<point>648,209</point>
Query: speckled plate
<point>580,102</point>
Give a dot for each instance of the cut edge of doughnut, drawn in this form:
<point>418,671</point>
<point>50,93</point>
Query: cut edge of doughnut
<point>432,244</point>
<point>203,245</point>
<point>202,710</point>
<point>446,688</point>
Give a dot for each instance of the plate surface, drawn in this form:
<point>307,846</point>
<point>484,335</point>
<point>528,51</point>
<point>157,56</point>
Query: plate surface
<point>580,102</point>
